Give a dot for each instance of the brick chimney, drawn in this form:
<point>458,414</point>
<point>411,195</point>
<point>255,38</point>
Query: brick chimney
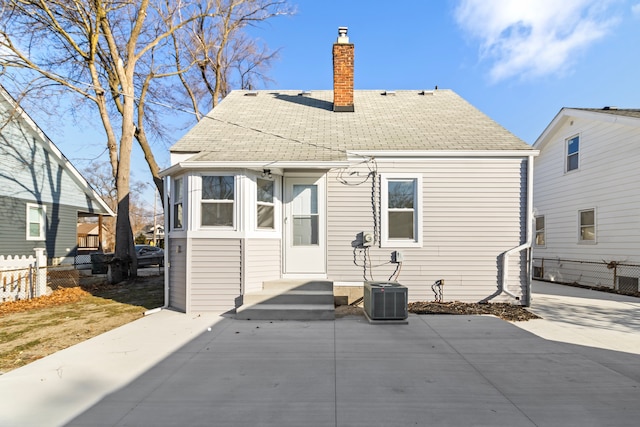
<point>343,72</point>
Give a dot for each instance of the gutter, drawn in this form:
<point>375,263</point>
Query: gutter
<point>165,183</point>
<point>255,165</point>
<point>526,245</point>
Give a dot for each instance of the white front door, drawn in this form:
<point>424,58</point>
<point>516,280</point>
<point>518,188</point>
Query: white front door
<point>304,225</point>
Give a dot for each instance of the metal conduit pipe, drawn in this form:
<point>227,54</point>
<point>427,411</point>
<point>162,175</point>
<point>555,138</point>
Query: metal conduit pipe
<point>527,244</point>
<point>165,305</point>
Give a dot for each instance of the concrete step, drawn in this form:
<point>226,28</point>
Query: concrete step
<point>288,297</point>
<point>286,312</point>
<point>298,285</point>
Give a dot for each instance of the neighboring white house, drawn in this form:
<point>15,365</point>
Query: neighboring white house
<point>328,184</point>
<point>587,198</point>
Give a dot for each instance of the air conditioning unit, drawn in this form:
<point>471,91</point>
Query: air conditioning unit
<point>385,301</point>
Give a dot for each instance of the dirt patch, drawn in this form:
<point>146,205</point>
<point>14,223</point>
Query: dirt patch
<point>510,312</point>
<point>32,329</point>
<point>348,310</point>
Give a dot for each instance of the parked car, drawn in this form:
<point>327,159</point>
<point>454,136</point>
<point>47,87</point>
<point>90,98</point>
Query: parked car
<point>149,255</point>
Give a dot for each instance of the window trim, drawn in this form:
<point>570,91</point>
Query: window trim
<point>567,155</point>
<point>580,227</point>
<point>542,231</point>
<point>385,241</point>
<point>234,202</point>
<point>42,211</point>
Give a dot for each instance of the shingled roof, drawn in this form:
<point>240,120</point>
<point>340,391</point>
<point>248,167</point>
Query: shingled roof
<point>292,126</point>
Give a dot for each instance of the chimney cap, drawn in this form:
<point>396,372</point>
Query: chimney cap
<point>342,35</point>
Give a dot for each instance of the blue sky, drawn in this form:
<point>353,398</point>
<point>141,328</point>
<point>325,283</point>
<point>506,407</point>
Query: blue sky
<point>518,61</point>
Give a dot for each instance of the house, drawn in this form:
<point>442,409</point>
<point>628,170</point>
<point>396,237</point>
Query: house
<point>331,185</point>
<point>153,235</point>
<point>42,195</point>
<point>91,237</point>
<point>587,199</point>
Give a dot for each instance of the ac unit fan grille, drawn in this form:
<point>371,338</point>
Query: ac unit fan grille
<point>385,301</point>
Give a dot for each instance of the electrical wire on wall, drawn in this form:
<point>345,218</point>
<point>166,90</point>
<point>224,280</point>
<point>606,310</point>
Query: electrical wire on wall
<point>374,205</point>
<point>395,273</point>
<point>367,266</point>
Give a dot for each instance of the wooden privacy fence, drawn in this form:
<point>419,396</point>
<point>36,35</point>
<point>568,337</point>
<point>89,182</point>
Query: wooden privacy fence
<point>23,277</point>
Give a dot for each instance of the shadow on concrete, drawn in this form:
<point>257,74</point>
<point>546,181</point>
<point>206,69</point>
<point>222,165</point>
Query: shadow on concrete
<point>437,370</point>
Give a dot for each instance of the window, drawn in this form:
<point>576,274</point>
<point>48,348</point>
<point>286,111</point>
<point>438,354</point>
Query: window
<point>177,204</point>
<point>573,152</point>
<point>587,225</point>
<point>265,206</point>
<point>401,201</point>
<point>305,215</point>
<point>540,241</point>
<point>35,222</point>
<point>217,201</point>
<point>627,284</point>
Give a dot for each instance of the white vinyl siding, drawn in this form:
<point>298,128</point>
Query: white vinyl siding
<point>473,210</point>
<point>608,180</point>
<point>262,261</point>
<point>177,273</point>
<point>215,274</point>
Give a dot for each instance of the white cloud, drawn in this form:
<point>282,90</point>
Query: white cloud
<point>635,10</point>
<point>531,38</point>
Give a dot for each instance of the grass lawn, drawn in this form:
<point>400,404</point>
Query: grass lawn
<point>32,329</point>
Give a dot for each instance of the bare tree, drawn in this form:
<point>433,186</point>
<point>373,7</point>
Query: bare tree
<point>99,176</point>
<point>108,53</point>
<point>222,55</point>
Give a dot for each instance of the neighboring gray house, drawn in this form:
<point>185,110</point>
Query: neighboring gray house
<point>328,184</point>
<point>41,194</point>
<point>587,198</point>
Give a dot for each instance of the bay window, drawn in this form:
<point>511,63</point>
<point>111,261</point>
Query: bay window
<point>265,206</point>
<point>178,203</point>
<point>217,201</point>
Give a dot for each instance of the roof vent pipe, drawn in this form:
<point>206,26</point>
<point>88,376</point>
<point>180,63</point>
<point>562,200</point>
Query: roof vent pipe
<point>342,35</point>
<point>343,73</point>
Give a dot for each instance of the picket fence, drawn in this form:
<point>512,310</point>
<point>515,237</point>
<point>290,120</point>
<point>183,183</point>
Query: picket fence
<point>23,277</point>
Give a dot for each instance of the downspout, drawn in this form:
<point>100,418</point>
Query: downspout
<point>526,244</point>
<point>165,183</point>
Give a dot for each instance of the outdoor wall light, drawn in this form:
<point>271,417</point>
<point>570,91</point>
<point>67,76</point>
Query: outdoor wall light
<point>267,173</point>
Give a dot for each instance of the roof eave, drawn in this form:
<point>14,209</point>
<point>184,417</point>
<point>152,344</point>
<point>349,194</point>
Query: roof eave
<point>53,149</point>
<point>444,153</point>
<point>565,113</point>
<point>278,164</point>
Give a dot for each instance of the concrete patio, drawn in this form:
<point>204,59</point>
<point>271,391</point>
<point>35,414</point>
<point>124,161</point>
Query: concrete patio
<point>168,369</point>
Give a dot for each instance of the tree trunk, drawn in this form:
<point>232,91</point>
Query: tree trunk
<point>141,137</point>
<point>124,238</point>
